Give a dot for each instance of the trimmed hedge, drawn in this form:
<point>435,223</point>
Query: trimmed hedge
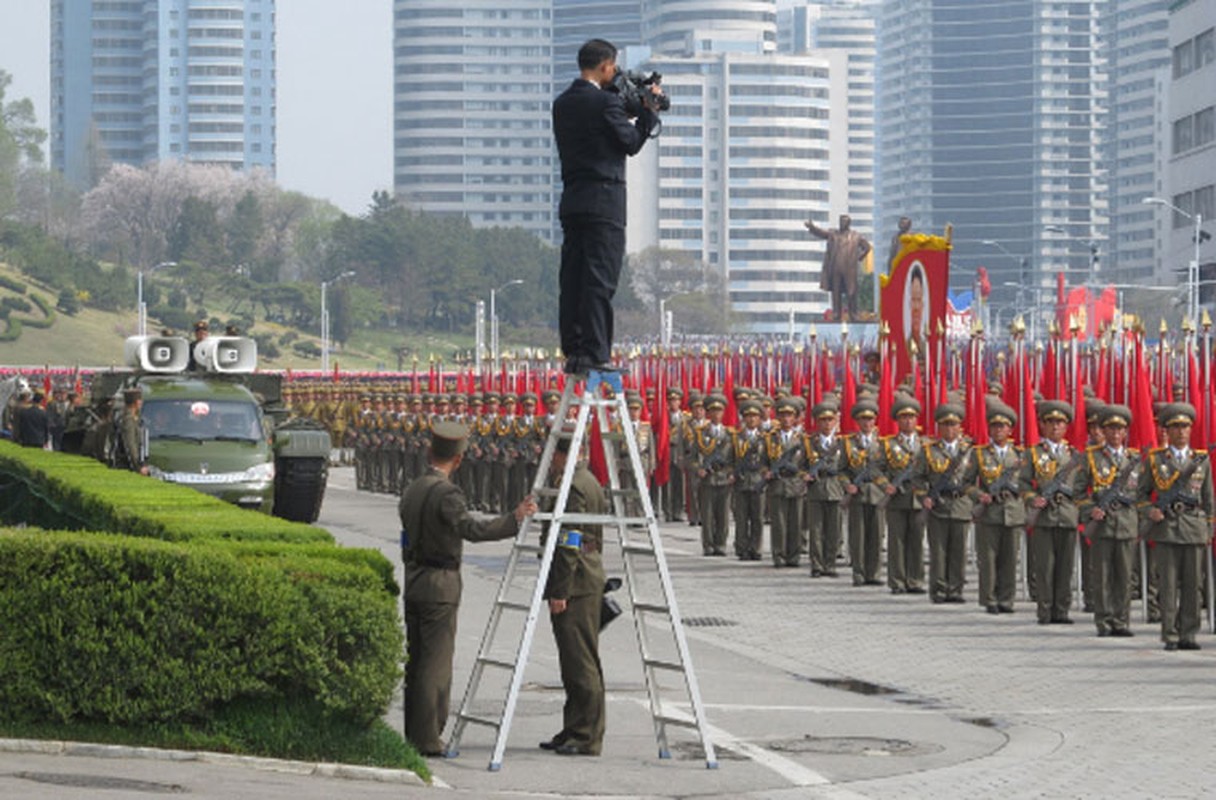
<point>48,313</point>
<point>12,284</point>
<point>117,627</point>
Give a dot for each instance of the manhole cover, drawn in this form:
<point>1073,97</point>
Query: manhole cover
<point>693,751</point>
<point>99,782</point>
<point>852,746</point>
<point>709,622</point>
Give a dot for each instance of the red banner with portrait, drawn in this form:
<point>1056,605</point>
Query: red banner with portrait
<point>914,301</point>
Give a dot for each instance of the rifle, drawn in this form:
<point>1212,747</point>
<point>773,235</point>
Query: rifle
<point>946,482</point>
<point>1105,499</point>
<point>1004,488</point>
<point>1056,489</point>
<point>786,466</point>
<point>820,469</point>
<point>900,481</point>
<point>865,476</point>
<point>1177,499</point>
<point>717,460</point>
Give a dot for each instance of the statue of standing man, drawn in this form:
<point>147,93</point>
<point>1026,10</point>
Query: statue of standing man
<point>845,250</point>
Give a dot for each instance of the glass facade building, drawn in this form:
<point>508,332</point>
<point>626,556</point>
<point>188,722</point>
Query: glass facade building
<point>472,93</point>
<point>991,118</point>
<point>146,80</point>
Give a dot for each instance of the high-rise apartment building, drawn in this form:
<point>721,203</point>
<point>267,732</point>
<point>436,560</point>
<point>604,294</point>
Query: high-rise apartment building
<point>146,80</point>
<point>1135,35</point>
<point>991,116</point>
<point>754,145</point>
<point>813,26</point>
<point>1190,122</point>
<point>472,94</point>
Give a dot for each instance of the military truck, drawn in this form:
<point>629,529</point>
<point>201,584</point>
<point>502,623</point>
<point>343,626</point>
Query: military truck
<point>209,421</point>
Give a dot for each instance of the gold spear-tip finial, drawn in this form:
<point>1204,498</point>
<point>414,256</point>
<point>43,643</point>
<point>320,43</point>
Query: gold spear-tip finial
<point>844,328</point>
<point>941,329</point>
<point>812,331</point>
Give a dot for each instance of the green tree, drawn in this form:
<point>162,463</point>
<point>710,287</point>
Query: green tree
<point>20,143</point>
<point>196,236</point>
<point>244,229</point>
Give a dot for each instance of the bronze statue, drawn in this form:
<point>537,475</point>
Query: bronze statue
<point>845,250</point>
<point>905,225</point>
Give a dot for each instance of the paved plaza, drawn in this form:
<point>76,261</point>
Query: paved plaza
<point>813,688</point>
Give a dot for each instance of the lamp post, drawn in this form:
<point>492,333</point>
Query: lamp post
<point>1192,272</point>
<point>141,308</point>
<point>1023,270</point>
<point>494,321</point>
<point>665,318</point>
<point>325,318</point>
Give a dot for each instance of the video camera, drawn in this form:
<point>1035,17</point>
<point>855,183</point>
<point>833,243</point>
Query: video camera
<point>635,90</point>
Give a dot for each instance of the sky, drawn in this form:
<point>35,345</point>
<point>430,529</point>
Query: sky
<point>335,87</point>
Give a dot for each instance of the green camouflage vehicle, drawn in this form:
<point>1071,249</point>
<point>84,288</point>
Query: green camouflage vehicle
<point>211,423</point>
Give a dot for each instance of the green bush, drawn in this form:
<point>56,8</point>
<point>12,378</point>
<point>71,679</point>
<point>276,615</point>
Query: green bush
<point>13,333</point>
<point>48,314</point>
<point>104,627</point>
<point>68,303</point>
<point>12,285</point>
<point>103,623</point>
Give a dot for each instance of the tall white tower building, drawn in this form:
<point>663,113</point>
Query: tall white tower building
<point>472,93</point>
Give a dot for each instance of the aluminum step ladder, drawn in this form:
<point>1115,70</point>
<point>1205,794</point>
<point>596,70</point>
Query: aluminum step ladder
<point>642,552</point>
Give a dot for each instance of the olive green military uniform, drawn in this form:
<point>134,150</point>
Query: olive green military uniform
<point>947,472</point>
<point>786,466</point>
<point>1057,475</point>
<point>824,495</point>
<point>577,576</point>
<point>748,447</point>
<point>1180,540</point>
<point>1113,485</point>
<point>673,490</point>
<point>130,434</point>
<point>435,516</point>
<point>691,458</point>
<point>714,460</point>
<point>1000,523</point>
<point>861,453</point>
<point>905,522</point>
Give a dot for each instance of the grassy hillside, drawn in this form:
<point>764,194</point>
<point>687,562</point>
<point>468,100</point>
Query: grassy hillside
<point>94,338</point>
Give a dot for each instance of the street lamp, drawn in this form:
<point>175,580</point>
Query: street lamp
<point>325,318</point>
<point>141,308</point>
<point>1023,264</point>
<point>1192,272</point>
<point>494,321</point>
<point>665,318</point>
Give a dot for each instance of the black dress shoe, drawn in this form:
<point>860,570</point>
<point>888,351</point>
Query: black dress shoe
<point>874,583</point>
<point>434,753</point>
<point>816,573</point>
<point>992,610</point>
<point>1123,633</point>
<point>937,600</point>
<point>897,590</point>
<point>918,590</point>
<point>1171,647</point>
<point>1062,621</point>
<point>1189,646</point>
<point>831,573</point>
<point>1005,609</point>
<point>573,750</point>
<point>955,599</point>
<point>1044,621</point>
<point>1103,633</point>
<point>554,743</point>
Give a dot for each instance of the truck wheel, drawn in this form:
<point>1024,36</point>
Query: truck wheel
<point>299,488</point>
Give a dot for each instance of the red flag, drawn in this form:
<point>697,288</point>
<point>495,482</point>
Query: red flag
<point>662,436</point>
<point>1078,432</point>
<point>886,395</point>
<point>1200,429</point>
<point>596,460</point>
<point>731,416</point>
<point>847,423</point>
<point>1030,425</point>
<point>1050,387</point>
<point>1143,432</point>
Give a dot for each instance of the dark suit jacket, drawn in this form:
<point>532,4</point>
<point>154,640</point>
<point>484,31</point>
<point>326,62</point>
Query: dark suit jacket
<point>31,426</point>
<point>593,138</point>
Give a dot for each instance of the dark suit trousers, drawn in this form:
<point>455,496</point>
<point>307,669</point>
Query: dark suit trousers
<point>577,633</point>
<point>430,631</point>
<point>592,253</point>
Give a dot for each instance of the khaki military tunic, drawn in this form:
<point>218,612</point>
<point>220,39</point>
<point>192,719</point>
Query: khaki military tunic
<point>714,460</point>
<point>1113,485</point>
<point>905,520</point>
<point>786,465</point>
<point>748,451</point>
<point>577,576</point>
<point>435,520</point>
<point>861,454</point>
<point>1180,540</point>
<point>824,495</point>
<point>1000,523</point>
<point>1057,470</point>
<point>948,471</point>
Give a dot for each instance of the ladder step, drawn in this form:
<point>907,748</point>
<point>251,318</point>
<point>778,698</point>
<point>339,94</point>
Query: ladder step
<point>514,605</point>
<point>496,662</point>
<point>612,436</point>
<point>591,519</point>
<point>655,608</point>
<point>546,491</point>
<point>682,723</point>
<point>486,721</point>
<point>638,549</point>
<point>656,663</point>
<point>524,547</point>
